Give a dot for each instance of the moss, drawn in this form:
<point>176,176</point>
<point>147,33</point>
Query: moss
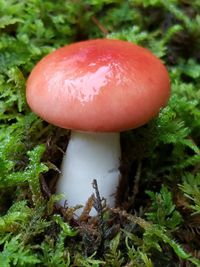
<point>157,223</point>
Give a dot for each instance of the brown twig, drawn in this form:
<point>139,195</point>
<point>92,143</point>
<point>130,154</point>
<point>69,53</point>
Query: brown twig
<point>99,208</point>
<point>99,25</point>
<point>97,22</point>
<point>132,218</point>
<point>45,189</point>
<point>136,184</point>
<point>85,213</point>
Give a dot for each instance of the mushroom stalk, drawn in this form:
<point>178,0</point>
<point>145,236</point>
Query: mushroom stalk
<point>90,156</point>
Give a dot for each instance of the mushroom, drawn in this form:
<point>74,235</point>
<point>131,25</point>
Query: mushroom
<point>96,88</point>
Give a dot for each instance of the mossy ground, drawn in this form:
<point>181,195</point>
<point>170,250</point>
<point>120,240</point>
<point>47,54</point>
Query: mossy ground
<point>157,222</point>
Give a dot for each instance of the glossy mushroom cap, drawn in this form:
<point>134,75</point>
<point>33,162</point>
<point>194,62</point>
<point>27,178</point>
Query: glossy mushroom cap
<point>98,85</point>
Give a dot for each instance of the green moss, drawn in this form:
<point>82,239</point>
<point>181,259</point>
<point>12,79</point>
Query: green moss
<point>161,160</point>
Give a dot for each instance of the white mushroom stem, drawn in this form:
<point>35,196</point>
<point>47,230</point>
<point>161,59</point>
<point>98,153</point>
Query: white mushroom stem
<point>90,156</point>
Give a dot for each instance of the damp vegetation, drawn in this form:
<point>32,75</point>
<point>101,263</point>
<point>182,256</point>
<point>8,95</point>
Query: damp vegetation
<point>157,219</point>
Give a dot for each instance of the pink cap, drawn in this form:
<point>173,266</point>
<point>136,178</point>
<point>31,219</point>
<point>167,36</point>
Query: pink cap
<point>98,85</point>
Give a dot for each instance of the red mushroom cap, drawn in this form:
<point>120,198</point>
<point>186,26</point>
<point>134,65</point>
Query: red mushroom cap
<point>98,85</point>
